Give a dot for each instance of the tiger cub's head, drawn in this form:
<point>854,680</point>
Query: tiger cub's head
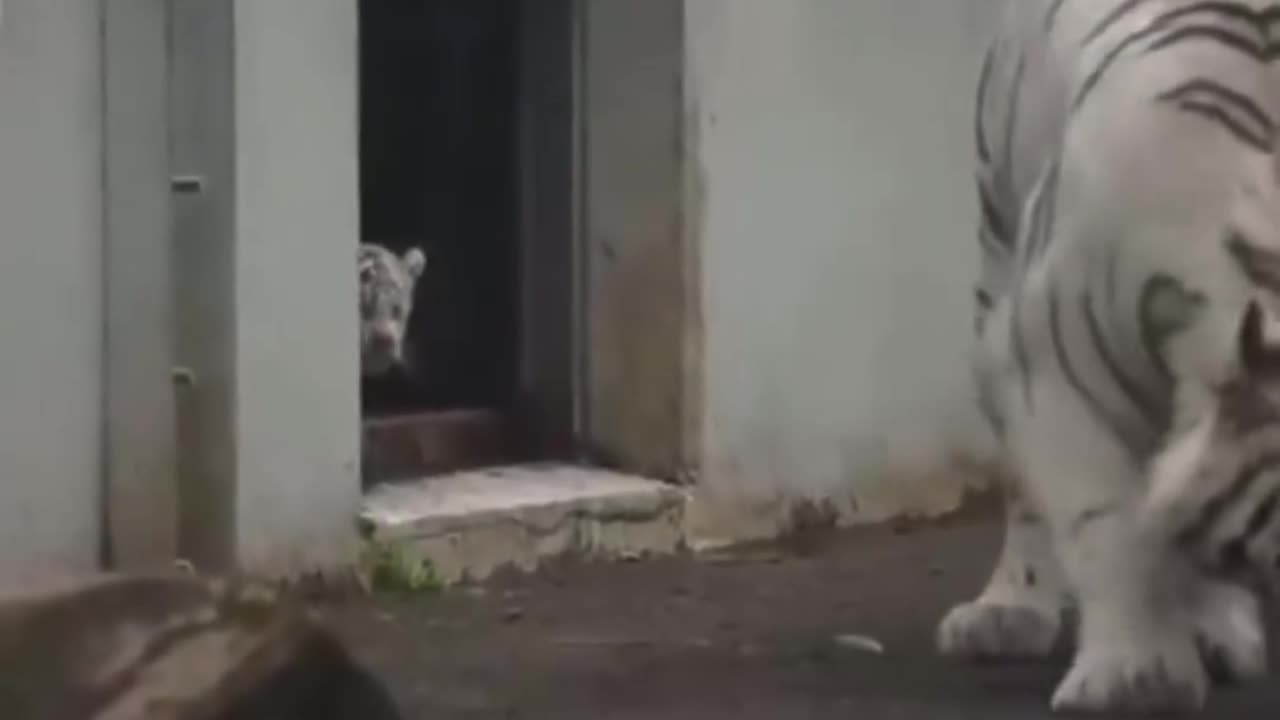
<point>387,283</point>
<point>1215,488</point>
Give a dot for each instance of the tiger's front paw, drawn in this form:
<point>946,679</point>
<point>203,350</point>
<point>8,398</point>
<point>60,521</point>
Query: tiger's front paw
<point>1164,675</point>
<point>981,630</point>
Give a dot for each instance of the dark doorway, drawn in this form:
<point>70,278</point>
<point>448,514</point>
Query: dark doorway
<point>439,168</point>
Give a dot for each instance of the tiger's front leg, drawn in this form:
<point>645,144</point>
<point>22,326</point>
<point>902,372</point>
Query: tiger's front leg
<point>1136,646</point>
<point>1019,614</point>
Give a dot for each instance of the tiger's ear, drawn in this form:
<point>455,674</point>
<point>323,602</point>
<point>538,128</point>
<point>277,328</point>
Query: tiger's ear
<point>1258,355</point>
<point>415,261</point>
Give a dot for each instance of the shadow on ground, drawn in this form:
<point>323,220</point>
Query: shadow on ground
<point>742,637</point>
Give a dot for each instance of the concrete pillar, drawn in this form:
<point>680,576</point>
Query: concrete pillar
<point>264,107</point>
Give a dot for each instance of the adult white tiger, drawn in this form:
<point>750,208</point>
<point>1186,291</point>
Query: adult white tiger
<point>386,287</point>
<point>1131,268</point>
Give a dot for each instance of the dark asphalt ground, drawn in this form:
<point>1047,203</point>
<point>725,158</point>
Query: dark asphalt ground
<point>742,636</point>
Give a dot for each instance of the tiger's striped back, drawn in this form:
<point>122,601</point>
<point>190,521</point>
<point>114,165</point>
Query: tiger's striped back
<point>1161,111</point>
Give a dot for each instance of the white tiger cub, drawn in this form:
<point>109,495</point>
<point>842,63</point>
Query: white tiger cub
<point>1131,271</point>
<point>386,285</point>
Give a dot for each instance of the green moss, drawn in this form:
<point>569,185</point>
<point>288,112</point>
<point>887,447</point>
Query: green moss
<point>387,567</point>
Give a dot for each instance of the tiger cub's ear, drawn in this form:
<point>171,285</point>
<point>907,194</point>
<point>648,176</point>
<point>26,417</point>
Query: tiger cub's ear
<point>1259,355</point>
<point>415,261</point>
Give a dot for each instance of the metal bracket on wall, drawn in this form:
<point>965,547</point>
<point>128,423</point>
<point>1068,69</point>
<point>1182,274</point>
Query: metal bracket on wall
<point>186,184</point>
<point>183,376</point>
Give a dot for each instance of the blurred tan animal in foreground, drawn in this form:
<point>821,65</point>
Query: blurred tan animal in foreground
<point>175,648</point>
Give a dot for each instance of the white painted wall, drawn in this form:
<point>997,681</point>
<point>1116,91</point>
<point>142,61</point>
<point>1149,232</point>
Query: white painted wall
<point>831,140</point>
<point>297,403</point>
<point>50,288</point>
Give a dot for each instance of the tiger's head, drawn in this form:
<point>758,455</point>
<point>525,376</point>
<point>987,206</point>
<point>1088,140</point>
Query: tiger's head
<point>1215,488</point>
<point>387,283</point>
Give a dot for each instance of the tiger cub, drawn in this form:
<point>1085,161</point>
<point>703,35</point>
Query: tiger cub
<point>387,283</point>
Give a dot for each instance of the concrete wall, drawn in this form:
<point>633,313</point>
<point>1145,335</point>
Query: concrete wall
<point>831,142</point>
<point>639,301</point>
<point>50,288</point>
<point>296,398</point>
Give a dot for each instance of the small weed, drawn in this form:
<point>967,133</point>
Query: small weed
<point>388,568</point>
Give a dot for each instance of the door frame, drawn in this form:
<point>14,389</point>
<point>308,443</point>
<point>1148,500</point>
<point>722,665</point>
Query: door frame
<point>609,335</point>
<point>546,414</point>
<point>139,455</point>
<point>610,350</point>
<point>610,273</point>
<point>639,222</point>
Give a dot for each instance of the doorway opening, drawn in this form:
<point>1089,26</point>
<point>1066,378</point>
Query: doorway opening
<point>438,170</point>
<point>465,119</point>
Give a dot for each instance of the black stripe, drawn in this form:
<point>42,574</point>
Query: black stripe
<point>1216,114</point>
<point>1225,94</point>
<point>1091,81</point>
<point>1250,45</point>
<point>983,299</point>
<point>991,216</point>
<point>1128,386</point>
<point>990,244</point>
<point>1051,17</point>
<point>1260,265</point>
<point>1015,97</point>
<point>1229,10</point>
<point>1111,19</point>
<point>1223,10</point>
<point>1073,379</point>
<point>1113,265</point>
<point>984,80</point>
<point>1020,358</point>
<point>1212,99</point>
<point>1261,516</point>
<point>1059,346</point>
<point>1216,505</point>
<point>1156,324</point>
<point>982,308</point>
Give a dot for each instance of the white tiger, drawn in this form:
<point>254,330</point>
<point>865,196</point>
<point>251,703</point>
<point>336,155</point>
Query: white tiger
<point>1131,274</point>
<point>386,284</point>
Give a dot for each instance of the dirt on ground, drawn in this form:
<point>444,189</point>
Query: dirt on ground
<point>776,632</point>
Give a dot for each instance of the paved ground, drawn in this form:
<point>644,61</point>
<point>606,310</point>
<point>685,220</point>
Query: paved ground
<point>739,638</point>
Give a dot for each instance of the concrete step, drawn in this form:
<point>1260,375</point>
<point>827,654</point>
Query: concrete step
<point>470,524</point>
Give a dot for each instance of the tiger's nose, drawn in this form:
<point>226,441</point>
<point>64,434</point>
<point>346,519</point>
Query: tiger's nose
<point>383,341</point>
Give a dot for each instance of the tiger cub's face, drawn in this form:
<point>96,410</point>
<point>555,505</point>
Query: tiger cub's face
<point>387,283</point>
<point>1215,489</point>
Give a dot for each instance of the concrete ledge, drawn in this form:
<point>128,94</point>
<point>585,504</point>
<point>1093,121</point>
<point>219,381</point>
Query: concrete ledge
<point>470,524</point>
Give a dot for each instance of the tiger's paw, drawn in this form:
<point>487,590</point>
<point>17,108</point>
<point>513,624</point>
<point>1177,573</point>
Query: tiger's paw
<point>1163,676</point>
<point>981,630</point>
<point>1230,635</point>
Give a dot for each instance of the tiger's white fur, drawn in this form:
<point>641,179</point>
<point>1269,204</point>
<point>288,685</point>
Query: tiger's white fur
<point>386,286</point>
<point>1131,270</point>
